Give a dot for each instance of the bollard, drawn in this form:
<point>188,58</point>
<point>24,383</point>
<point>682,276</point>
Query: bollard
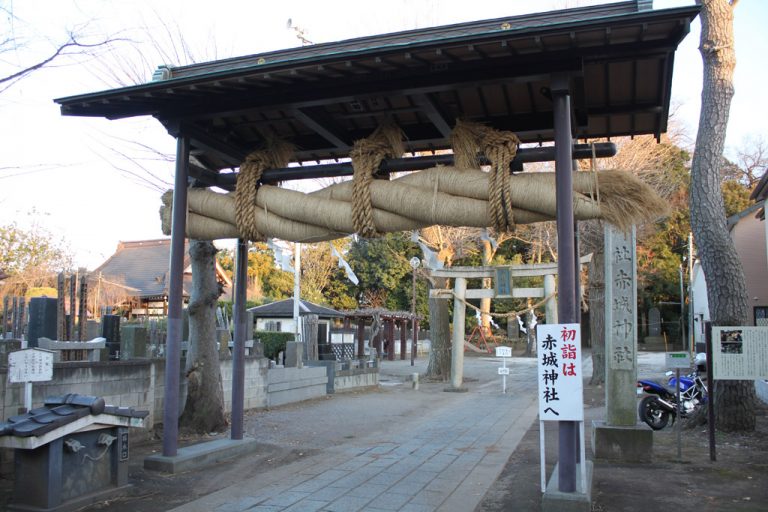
<point>415,381</point>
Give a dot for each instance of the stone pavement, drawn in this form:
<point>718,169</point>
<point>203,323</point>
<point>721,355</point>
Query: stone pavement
<point>445,461</point>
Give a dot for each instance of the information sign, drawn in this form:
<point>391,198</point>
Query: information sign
<point>740,353</point>
<point>503,351</point>
<point>561,395</point>
<point>30,365</point>
<point>503,371</point>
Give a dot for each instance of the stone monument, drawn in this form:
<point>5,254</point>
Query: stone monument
<point>619,437</point>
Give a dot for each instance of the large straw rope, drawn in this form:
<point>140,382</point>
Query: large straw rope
<point>451,196</point>
<point>367,155</point>
<point>500,147</point>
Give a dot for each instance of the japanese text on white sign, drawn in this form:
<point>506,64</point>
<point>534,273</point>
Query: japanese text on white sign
<point>559,368</point>
<point>740,353</point>
<point>30,365</point>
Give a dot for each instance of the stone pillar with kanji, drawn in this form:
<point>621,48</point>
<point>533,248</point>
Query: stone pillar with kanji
<point>620,327</point>
<point>620,437</point>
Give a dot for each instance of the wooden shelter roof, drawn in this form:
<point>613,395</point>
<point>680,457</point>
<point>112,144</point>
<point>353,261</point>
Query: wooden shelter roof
<point>284,309</point>
<point>618,59</point>
<point>382,313</point>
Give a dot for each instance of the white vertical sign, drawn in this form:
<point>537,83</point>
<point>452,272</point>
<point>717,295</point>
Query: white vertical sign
<point>561,395</point>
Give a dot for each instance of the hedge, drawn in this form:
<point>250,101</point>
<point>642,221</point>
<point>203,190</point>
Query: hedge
<point>273,342</point>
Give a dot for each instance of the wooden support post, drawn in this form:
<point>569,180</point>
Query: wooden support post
<point>238,343</point>
<point>389,331</point>
<point>175,301</point>
<point>361,338</point>
<point>457,345</point>
<point>568,311</point>
<point>403,338</point>
<point>6,317</point>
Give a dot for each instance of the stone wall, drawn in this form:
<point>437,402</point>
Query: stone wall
<point>137,383</point>
<point>355,378</point>
<point>288,385</point>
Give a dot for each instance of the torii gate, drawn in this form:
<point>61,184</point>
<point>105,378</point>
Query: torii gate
<point>502,276</point>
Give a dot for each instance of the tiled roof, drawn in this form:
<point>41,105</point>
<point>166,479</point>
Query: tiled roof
<point>284,309</point>
<point>60,411</point>
<point>142,265</point>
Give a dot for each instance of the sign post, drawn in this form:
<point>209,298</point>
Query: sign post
<point>561,396</point>
<point>677,360</point>
<point>28,366</point>
<point>503,353</point>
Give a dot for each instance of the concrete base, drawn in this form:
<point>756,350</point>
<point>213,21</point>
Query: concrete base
<point>452,389</point>
<point>579,501</point>
<point>203,454</point>
<point>627,444</point>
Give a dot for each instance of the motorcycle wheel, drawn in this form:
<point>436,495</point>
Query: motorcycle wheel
<point>652,413</point>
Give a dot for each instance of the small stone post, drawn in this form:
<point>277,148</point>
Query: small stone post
<point>550,308</point>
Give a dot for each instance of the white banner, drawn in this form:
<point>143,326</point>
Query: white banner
<point>561,395</point>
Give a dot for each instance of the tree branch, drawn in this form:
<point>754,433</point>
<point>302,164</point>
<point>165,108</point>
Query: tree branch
<point>71,43</point>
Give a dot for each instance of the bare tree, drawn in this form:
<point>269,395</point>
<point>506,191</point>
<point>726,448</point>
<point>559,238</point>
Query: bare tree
<point>726,288</point>
<point>317,268</point>
<point>752,160</point>
<point>73,48</point>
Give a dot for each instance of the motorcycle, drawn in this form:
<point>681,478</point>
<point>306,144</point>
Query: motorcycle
<point>660,404</point>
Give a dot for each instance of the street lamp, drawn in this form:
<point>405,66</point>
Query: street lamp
<point>415,262</point>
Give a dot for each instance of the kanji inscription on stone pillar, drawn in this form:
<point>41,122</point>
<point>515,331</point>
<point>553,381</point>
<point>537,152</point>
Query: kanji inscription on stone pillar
<point>620,299</point>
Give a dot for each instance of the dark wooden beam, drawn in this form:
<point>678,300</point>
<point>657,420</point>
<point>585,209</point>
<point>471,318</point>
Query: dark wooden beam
<point>228,151</point>
<point>323,125</point>
<point>442,121</point>
<point>524,155</point>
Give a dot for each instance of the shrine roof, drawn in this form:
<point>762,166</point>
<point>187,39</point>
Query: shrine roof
<point>617,58</point>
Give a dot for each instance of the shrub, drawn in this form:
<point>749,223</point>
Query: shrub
<point>274,342</point>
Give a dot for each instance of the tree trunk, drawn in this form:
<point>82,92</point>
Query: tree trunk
<point>439,366</point>
<point>204,408</point>
<point>726,289</point>
<point>597,315</point>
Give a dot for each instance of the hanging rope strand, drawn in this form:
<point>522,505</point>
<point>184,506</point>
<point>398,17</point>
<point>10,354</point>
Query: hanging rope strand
<point>367,155</point>
<point>277,154</point>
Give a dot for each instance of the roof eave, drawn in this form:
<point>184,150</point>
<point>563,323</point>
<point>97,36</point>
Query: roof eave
<point>252,65</point>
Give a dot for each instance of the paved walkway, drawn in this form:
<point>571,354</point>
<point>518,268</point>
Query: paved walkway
<point>445,461</point>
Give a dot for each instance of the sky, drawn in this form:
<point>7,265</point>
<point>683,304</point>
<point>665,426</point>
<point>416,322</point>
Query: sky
<point>70,175</point>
